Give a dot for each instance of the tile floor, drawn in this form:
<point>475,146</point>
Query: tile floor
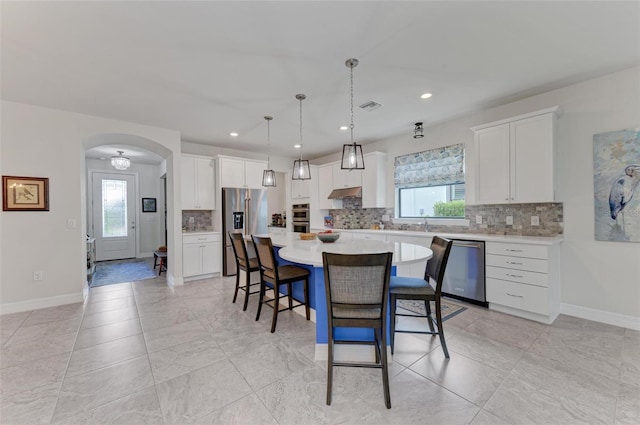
<point>145,353</point>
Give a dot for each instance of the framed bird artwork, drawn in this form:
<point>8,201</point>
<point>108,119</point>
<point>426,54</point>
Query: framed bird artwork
<point>616,183</point>
<point>25,193</point>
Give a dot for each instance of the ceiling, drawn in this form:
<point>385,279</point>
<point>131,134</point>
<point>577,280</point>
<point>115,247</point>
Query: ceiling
<point>209,68</point>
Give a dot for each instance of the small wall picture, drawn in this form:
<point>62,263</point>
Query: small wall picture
<point>616,178</point>
<point>148,204</point>
<point>25,193</point>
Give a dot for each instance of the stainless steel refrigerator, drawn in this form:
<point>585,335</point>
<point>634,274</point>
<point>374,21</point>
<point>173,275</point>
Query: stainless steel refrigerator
<point>243,211</point>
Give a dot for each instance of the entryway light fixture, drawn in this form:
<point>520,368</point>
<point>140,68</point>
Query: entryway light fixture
<point>120,162</point>
<point>268,175</point>
<point>417,131</point>
<point>352,158</point>
<point>301,169</point>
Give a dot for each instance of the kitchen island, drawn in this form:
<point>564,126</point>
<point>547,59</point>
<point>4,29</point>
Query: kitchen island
<point>289,248</point>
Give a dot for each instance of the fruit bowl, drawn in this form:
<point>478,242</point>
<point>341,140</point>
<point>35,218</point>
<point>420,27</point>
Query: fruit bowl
<point>328,237</point>
<point>307,236</point>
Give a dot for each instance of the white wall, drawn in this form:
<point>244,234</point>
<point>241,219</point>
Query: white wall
<point>600,280</point>
<point>51,143</point>
<point>149,186</point>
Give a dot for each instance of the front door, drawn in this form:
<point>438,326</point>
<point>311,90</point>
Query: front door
<point>114,216</point>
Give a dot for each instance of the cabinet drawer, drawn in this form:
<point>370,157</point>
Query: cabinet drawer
<point>519,276</point>
<point>202,238</point>
<point>523,297</point>
<point>518,250</point>
<point>518,263</point>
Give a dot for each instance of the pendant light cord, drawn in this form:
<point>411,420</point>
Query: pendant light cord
<point>351,126</point>
<point>268,142</point>
<point>300,98</point>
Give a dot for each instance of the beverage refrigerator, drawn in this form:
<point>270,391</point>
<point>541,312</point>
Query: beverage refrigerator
<point>243,211</point>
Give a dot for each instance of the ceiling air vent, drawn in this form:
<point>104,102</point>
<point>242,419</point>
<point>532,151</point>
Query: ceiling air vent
<point>370,106</point>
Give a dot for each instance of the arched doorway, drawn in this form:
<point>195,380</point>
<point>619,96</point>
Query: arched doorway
<point>149,178</point>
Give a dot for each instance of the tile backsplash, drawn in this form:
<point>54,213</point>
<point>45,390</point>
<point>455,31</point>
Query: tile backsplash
<point>550,215</point>
<point>197,220</point>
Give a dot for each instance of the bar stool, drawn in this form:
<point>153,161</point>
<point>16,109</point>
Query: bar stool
<point>275,276</point>
<point>243,264</point>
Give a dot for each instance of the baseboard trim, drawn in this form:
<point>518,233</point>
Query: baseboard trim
<point>616,319</point>
<point>39,303</point>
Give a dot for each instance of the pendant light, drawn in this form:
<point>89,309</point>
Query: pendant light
<point>301,169</point>
<point>268,175</point>
<point>352,158</point>
<point>417,131</point>
<point>120,162</point>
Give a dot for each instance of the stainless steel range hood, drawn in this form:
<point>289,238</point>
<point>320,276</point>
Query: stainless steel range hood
<point>349,192</point>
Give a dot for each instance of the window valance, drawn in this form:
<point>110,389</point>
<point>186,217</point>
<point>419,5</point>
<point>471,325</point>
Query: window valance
<point>434,167</point>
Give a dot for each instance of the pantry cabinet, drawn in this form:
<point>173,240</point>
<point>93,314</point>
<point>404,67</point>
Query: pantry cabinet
<point>514,159</point>
<point>238,172</point>
<point>198,183</point>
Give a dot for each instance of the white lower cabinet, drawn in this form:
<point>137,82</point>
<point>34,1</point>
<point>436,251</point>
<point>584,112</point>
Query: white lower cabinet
<point>523,280</point>
<point>201,255</point>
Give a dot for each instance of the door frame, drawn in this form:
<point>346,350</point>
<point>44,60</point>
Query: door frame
<point>90,221</point>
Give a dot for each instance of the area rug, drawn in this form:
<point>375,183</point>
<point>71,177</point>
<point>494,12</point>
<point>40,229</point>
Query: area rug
<point>449,309</point>
<point>108,272</point>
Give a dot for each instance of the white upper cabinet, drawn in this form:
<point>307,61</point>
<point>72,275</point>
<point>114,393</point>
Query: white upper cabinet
<point>198,183</point>
<point>300,189</point>
<point>374,180</point>
<point>345,178</point>
<point>325,186</point>
<point>515,159</point>
<point>237,172</point>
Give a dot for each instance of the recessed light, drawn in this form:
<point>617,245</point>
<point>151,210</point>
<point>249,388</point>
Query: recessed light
<point>297,146</point>
<point>233,134</point>
<point>425,96</point>
<point>344,127</point>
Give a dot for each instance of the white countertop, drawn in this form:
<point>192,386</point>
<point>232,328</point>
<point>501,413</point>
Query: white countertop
<point>200,232</point>
<point>310,252</point>
<point>534,240</point>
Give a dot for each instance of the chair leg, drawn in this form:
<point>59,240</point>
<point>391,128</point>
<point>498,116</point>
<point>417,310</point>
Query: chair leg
<point>155,261</point>
<point>440,328</point>
<point>427,307</point>
<point>261,299</point>
<point>329,366</point>
<point>393,320</point>
<point>306,298</point>
<point>385,368</point>
<point>235,294</point>
<point>247,288</point>
<point>290,295</point>
<point>276,307</point>
<point>376,345</point>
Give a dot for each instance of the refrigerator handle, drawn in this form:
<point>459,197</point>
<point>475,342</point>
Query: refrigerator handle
<point>247,214</point>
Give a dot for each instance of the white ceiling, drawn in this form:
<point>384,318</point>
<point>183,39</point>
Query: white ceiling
<point>208,68</point>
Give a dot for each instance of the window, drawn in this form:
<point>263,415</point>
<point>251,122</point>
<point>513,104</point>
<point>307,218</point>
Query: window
<point>431,201</point>
<point>430,183</point>
<point>114,208</point>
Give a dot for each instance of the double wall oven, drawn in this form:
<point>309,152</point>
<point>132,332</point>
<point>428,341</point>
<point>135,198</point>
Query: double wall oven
<point>300,214</point>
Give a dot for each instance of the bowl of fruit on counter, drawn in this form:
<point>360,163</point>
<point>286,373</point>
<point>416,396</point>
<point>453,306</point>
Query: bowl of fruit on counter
<point>328,236</point>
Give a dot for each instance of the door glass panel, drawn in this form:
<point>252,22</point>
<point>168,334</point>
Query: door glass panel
<point>114,208</point>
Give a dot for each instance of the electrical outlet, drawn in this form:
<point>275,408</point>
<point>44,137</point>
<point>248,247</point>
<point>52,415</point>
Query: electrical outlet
<point>37,276</point>
<point>478,219</point>
<point>385,217</point>
<point>535,220</point>
<point>509,220</point>
<point>71,223</point>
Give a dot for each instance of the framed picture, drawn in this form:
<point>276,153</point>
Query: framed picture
<point>25,193</point>
<point>148,204</point>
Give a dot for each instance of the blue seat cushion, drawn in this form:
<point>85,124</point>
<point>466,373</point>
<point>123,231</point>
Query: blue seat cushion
<point>409,285</point>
